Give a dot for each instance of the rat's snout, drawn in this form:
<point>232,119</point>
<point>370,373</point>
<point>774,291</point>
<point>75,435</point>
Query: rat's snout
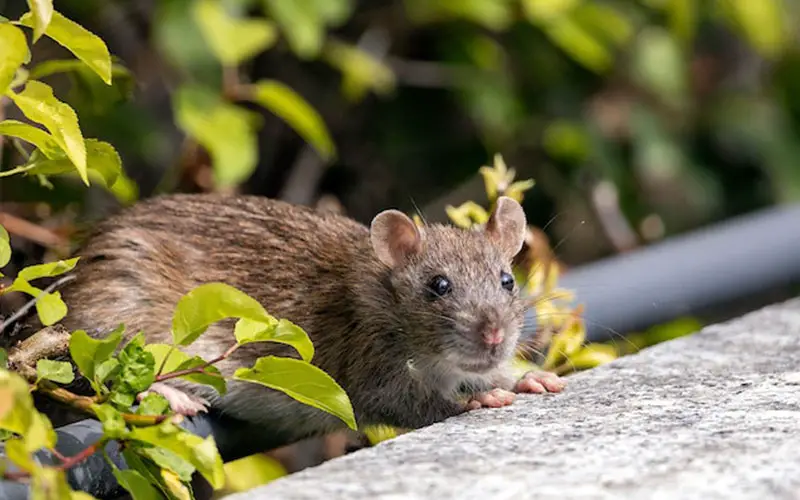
<point>493,336</point>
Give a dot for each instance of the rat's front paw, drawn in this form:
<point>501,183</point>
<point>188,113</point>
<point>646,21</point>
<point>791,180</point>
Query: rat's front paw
<point>539,382</point>
<point>496,398</point>
<point>179,401</point>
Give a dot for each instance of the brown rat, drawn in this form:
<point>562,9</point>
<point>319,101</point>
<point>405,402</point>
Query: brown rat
<point>416,324</point>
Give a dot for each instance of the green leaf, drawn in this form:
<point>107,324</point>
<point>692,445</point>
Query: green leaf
<point>57,371</point>
<point>284,331</point>
<point>762,22</point>
<point>39,104</point>
<point>301,24</point>
<point>209,303</point>
<point>5,247</point>
<point>48,270</point>
<point>302,381</point>
<point>137,371</point>
<point>18,414</point>
<point>225,130</point>
<point>361,71</point>
<point>170,461</point>
<point>201,453</point>
<point>51,308</point>
<point>113,424</point>
<point>42,13</point>
<point>105,370</point>
<point>101,159</point>
<point>16,452</point>
<point>136,484</point>
<point>232,40</point>
<point>294,110</point>
<point>84,44</point>
<point>14,54</point>
<point>49,483</point>
<point>34,135</point>
<point>153,404</point>
<point>88,353</point>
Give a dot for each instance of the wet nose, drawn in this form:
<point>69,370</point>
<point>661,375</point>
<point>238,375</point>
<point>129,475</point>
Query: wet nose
<point>493,336</point>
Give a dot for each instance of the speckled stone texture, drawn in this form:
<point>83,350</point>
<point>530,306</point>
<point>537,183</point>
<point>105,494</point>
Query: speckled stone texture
<point>713,415</point>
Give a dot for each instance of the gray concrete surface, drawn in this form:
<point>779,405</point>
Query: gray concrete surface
<point>713,415</point>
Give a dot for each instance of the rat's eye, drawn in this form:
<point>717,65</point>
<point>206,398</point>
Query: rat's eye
<point>438,287</point>
<point>507,281</point>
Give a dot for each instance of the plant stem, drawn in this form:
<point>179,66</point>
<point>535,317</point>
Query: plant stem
<point>198,369</point>
<point>66,462</point>
<point>24,309</point>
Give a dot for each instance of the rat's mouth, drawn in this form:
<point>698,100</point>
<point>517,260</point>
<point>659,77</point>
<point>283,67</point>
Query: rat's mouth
<point>478,365</point>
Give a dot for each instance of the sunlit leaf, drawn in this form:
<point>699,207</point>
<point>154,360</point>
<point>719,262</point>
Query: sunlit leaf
<point>248,472</point>
<point>101,159</point>
<point>294,110</point>
<point>13,55</point>
<point>57,371</point>
<point>302,381</point>
<point>565,343</point>
<point>84,44</point>
<point>178,361</point>
<point>225,130</point>
<point>18,415</point>
<point>301,24</point>
<point>33,135</point>
<point>39,104</point>
<point>153,404</point>
<point>87,353</point>
<point>51,308</point>
<point>467,214</point>
<point>762,22</point>
<point>209,303</point>
<point>592,355</point>
<point>49,483</point>
<point>380,433</point>
<point>5,247</point>
<point>137,371</point>
<point>201,453</point>
<point>169,461</point>
<point>42,13</point>
<point>48,270</point>
<point>113,424</point>
<point>232,40</point>
<point>283,331</point>
<point>361,72</point>
<point>178,490</point>
<point>136,484</point>
<point>580,44</point>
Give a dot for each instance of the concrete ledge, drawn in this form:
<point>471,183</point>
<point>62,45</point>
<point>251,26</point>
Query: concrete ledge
<point>714,415</point>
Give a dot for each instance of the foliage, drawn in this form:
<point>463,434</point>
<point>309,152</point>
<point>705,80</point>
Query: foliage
<point>150,432</point>
<point>161,455</point>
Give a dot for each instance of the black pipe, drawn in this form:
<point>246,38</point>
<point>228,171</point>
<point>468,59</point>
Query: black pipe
<point>690,273</point>
<point>735,259</point>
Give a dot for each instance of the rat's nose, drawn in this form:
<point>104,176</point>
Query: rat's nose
<point>493,336</point>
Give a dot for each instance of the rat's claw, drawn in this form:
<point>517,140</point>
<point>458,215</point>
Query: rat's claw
<point>539,382</point>
<point>496,398</point>
<point>179,401</point>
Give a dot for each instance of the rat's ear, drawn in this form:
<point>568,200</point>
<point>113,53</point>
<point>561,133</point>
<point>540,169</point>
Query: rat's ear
<point>394,237</point>
<point>506,226</point>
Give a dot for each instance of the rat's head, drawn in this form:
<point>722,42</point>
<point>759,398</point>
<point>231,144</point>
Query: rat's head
<point>454,289</point>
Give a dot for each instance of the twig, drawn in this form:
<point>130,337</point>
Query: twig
<point>198,369</point>
<point>24,309</point>
<point>66,462</point>
<point>31,231</point>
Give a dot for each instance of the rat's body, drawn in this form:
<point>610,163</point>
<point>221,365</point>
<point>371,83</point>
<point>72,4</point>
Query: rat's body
<point>364,297</point>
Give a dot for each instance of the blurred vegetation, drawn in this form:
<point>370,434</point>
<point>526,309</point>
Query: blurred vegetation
<point>642,118</point>
<point>639,119</point>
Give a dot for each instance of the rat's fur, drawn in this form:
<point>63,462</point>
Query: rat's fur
<point>402,358</point>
